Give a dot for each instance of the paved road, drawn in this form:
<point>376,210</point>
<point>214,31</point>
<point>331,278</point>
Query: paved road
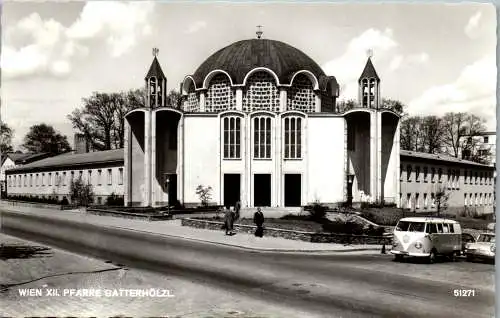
<point>30,265</point>
<point>324,285</point>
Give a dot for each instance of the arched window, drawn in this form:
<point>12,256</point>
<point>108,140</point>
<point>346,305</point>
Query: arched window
<point>261,93</point>
<point>262,137</point>
<point>301,95</point>
<point>220,96</point>
<point>293,137</point>
<point>232,137</point>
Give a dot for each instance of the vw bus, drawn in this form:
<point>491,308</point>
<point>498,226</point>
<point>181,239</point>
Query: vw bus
<point>426,237</point>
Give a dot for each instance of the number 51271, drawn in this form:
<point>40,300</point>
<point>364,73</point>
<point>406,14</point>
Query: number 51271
<point>464,292</point>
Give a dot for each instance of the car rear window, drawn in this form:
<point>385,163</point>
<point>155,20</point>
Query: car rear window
<point>486,238</point>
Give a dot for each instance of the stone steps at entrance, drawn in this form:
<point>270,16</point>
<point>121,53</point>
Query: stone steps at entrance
<point>271,212</point>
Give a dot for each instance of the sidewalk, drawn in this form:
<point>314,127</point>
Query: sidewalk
<point>175,229</point>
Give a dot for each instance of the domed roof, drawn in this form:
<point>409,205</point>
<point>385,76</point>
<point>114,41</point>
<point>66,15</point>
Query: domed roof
<point>241,57</point>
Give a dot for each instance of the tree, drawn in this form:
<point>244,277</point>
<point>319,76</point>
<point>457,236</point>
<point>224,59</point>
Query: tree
<point>6,134</point>
<point>81,193</point>
<point>173,99</point>
<point>44,138</point>
<point>472,141</point>
<point>97,119</point>
<point>432,127</point>
<point>345,105</point>
<point>460,132</point>
<point>411,134</point>
<point>204,193</point>
<point>393,105</point>
<point>454,128</point>
<point>101,119</point>
<point>441,200</point>
<point>133,99</point>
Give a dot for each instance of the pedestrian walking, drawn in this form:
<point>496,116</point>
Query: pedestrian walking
<point>258,219</point>
<point>237,208</point>
<point>228,221</point>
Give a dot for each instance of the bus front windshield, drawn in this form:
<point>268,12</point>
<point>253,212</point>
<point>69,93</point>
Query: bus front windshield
<point>406,226</point>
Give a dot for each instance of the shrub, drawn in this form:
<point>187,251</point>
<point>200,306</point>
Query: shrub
<point>64,201</point>
<point>375,231</point>
<point>318,212</point>
<point>115,200</point>
<point>343,227</point>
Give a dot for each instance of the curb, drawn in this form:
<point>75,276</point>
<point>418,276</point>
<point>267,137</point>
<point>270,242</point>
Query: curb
<point>262,249</point>
<point>256,249</point>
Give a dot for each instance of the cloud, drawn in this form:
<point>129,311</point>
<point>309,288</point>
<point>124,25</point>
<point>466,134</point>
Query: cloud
<point>120,29</point>
<point>473,91</point>
<point>349,66</point>
<point>396,62</point>
<point>415,59</point>
<point>195,27</point>
<point>472,27</point>
<point>49,48</point>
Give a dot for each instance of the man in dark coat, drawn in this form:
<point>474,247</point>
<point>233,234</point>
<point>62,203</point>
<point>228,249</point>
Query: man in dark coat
<point>228,221</point>
<point>258,219</point>
<point>237,208</point>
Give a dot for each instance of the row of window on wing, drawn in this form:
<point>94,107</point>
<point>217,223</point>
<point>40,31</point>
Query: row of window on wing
<point>262,137</point>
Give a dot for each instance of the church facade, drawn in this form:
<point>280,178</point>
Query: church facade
<point>258,123</point>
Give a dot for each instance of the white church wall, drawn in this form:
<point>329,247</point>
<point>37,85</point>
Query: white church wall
<point>325,156</point>
<point>390,153</point>
<point>201,157</point>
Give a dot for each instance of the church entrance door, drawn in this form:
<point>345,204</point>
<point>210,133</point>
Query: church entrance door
<point>262,190</point>
<point>292,189</point>
<point>231,189</point>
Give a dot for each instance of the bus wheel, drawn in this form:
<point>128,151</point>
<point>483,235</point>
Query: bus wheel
<point>432,257</point>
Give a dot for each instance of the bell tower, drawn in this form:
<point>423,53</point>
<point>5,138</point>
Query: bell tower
<point>369,85</point>
<point>156,84</point>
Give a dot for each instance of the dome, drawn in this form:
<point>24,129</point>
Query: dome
<point>241,57</point>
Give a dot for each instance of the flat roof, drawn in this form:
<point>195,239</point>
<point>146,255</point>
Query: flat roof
<point>73,160</point>
<point>441,157</point>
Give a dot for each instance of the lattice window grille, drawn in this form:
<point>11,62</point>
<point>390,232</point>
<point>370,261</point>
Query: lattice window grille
<point>301,96</point>
<point>220,96</point>
<point>261,93</point>
<point>191,104</point>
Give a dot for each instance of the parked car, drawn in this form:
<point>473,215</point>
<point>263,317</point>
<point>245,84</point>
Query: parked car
<point>467,238</point>
<point>484,248</point>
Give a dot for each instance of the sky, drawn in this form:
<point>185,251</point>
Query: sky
<point>434,58</point>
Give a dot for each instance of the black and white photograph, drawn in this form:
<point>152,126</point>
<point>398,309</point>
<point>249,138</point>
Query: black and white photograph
<point>248,159</point>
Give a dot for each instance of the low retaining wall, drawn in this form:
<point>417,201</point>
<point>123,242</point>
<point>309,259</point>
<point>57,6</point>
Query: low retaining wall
<point>127,215</point>
<point>38,205</point>
<point>293,235</point>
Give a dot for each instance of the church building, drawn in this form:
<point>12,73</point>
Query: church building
<point>258,123</point>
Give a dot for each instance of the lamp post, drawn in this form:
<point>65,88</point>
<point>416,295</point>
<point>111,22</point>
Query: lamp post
<point>167,187</point>
<point>350,180</point>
